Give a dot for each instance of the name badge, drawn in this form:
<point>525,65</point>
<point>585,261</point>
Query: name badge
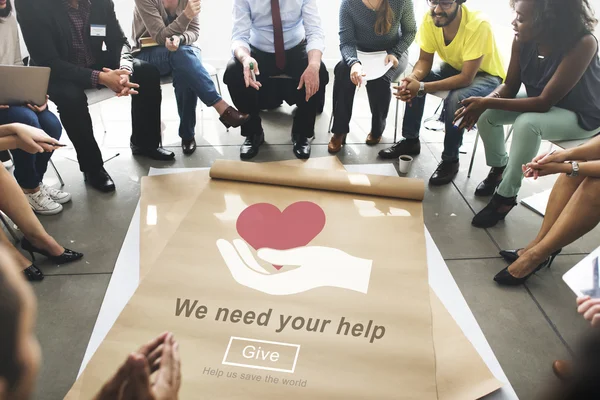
<point>98,30</point>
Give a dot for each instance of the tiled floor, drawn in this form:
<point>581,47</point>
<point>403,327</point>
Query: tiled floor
<point>527,327</point>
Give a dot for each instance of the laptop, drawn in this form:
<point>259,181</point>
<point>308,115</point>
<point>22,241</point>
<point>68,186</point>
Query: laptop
<point>23,85</point>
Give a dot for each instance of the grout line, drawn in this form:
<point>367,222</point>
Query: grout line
<point>547,317</point>
<point>472,258</point>
<point>83,274</point>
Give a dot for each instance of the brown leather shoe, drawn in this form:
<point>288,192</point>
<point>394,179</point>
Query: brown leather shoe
<point>562,369</point>
<point>336,143</point>
<point>233,118</point>
<point>372,140</point>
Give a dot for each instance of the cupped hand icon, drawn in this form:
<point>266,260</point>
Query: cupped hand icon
<point>317,266</point>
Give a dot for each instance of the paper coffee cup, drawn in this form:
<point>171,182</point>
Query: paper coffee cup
<point>405,163</point>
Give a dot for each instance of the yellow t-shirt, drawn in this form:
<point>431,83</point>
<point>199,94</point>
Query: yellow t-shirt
<point>473,40</point>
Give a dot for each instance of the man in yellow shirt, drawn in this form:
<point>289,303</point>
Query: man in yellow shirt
<point>471,66</point>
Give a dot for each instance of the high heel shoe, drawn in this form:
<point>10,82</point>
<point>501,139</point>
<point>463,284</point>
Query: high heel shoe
<point>512,255</point>
<point>66,257</point>
<point>505,278</point>
<point>491,214</point>
<point>33,273</point>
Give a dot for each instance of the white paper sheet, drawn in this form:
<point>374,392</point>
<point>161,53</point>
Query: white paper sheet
<point>538,202</point>
<point>584,278</point>
<point>125,280</point>
<point>373,64</point>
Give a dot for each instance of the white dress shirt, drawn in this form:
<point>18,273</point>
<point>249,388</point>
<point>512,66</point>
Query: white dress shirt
<point>253,25</point>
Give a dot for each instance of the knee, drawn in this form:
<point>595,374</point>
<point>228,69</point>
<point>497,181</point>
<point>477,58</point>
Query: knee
<point>234,73</point>
<point>24,115</point>
<point>52,125</point>
<point>146,73</point>
<point>69,97</point>
<point>184,54</point>
<point>527,125</point>
<point>486,121</point>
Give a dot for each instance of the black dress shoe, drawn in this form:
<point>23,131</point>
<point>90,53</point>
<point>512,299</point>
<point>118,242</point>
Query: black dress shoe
<point>488,186</point>
<point>159,154</point>
<point>512,255</point>
<point>495,211</point>
<point>505,278</point>
<point>33,273</point>
<point>301,147</point>
<point>66,257</point>
<point>188,146</point>
<point>250,147</point>
<point>405,147</point>
<point>445,172</point>
<point>99,179</point>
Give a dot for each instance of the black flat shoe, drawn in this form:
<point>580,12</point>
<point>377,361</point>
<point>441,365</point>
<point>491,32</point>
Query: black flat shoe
<point>488,186</point>
<point>505,278</point>
<point>512,255</point>
<point>491,215</point>
<point>66,257</point>
<point>301,147</point>
<point>405,147</point>
<point>33,273</point>
<point>100,180</point>
<point>251,145</point>
<point>188,146</point>
<point>445,173</point>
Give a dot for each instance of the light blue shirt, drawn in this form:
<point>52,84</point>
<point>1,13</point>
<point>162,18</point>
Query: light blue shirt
<point>253,25</point>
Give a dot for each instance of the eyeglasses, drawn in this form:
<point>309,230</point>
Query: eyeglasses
<point>444,4</point>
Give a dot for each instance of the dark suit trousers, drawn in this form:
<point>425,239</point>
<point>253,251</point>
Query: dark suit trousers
<point>251,101</point>
<point>75,116</point>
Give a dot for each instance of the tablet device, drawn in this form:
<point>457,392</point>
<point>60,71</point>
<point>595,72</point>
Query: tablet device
<point>21,85</point>
<point>584,278</point>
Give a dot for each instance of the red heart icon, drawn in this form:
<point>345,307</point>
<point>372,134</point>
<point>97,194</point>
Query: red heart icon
<point>263,225</point>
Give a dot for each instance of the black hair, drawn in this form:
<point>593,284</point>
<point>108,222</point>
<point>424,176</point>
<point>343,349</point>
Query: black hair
<point>561,22</point>
<point>6,11</point>
<point>10,311</point>
<point>459,2</point>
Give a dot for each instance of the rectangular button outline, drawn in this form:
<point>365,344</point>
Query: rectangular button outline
<point>232,338</point>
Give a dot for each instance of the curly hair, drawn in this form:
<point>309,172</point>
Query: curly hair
<point>561,22</point>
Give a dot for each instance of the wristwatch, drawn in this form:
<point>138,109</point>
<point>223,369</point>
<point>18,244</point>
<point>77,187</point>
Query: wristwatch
<point>575,170</point>
<point>421,91</point>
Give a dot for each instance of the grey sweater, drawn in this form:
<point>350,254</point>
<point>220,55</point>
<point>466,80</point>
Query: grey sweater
<point>357,30</point>
<point>10,46</point>
<point>150,19</point>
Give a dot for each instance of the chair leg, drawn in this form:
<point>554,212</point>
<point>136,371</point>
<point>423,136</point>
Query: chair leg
<point>510,132</point>
<point>216,78</point>
<point>396,124</point>
<point>60,179</point>
<point>330,122</point>
<point>473,155</point>
<point>9,228</point>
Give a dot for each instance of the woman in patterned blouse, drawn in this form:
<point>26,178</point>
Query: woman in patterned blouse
<point>369,26</point>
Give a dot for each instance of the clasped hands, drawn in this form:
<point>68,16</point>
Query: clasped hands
<point>117,80</point>
<point>547,164</point>
<point>309,79</point>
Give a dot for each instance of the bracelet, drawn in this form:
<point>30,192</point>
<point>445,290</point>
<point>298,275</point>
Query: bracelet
<point>496,95</point>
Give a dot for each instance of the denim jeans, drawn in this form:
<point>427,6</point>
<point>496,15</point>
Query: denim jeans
<point>482,85</point>
<point>190,80</point>
<point>30,168</point>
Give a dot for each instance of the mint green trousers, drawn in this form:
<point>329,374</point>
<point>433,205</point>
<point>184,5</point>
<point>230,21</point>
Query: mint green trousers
<point>528,131</point>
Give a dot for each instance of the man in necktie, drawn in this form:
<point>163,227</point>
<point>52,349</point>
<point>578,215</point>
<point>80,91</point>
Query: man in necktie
<point>277,47</point>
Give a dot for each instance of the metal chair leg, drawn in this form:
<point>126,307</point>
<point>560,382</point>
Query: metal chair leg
<point>510,132</point>
<point>60,179</point>
<point>9,228</point>
<point>396,125</point>
<point>473,155</point>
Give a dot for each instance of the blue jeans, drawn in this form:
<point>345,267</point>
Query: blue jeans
<point>482,85</point>
<point>190,80</point>
<point>30,168</point>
